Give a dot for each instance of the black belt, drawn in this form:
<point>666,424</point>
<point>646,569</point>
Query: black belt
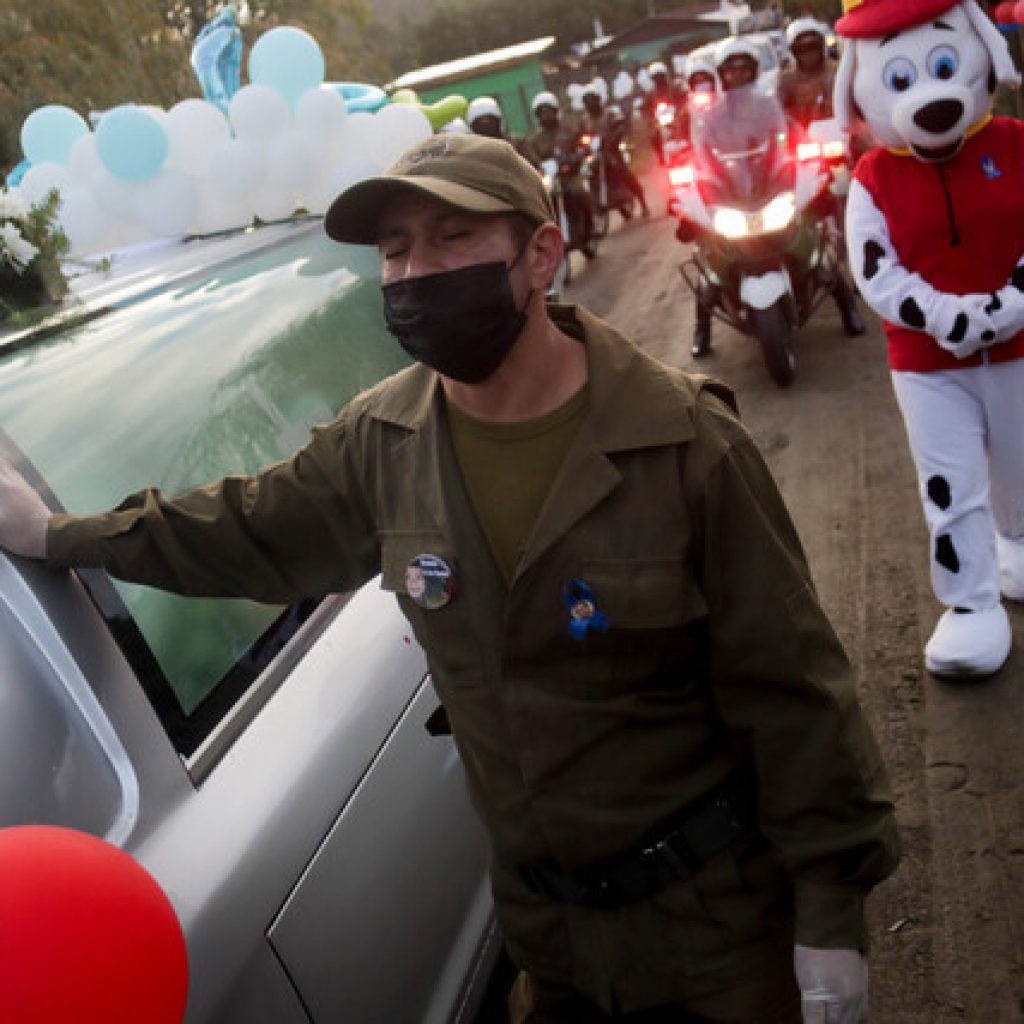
<point>705,828</point>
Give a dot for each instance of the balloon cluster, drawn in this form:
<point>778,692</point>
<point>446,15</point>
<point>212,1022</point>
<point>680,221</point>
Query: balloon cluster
<point>288,141</point>
<point>1009,13</point>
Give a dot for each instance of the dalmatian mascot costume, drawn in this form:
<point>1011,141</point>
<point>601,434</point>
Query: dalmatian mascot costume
<point>935,228</point>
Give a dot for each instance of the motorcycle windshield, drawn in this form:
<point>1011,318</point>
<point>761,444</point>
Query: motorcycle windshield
<point>739,144</point>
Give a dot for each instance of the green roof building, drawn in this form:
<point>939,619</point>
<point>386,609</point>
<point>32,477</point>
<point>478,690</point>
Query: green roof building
<point>512,75</point>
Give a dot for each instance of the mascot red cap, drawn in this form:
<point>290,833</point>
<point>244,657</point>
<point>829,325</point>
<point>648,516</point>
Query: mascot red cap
<point>864,19</point>
<point>86,934</point>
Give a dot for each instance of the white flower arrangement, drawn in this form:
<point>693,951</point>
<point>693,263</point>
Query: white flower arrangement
<point>31,247</point>
<point>15,248</point>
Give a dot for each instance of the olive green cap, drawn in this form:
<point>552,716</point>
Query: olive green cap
<point>471,172</point>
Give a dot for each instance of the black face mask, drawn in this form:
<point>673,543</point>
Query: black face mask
<point>461,323</point>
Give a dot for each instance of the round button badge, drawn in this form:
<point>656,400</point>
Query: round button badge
<point>428,581</point>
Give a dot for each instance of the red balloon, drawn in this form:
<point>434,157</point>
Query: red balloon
<point>1018,12</point>
<point>1003,13</point>
<point>86,934</point>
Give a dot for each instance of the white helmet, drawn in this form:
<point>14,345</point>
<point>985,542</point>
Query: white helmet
<point>698,65</point>
<point>736,46</point>
<point>544,99</point>
<point>806,26</point>
<point>591,89</point>
<point>483,106</point>
<point>656,67</point>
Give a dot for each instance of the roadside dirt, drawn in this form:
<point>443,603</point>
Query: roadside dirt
<point>948,928</point>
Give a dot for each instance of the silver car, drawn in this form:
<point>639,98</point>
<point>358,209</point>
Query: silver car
<point>270,766</point>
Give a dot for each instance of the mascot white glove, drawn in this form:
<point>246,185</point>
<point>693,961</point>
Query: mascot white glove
<point>1006,307</point>
<point>833,985</point>
<point>962,324</point>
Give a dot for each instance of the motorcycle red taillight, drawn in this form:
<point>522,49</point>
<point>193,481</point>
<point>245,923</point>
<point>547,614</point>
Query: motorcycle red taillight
<point>684,174</point>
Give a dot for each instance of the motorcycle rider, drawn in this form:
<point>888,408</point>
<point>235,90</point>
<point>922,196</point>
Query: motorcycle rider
<point>738,65</point>
<point>553,140</point>
<point>611,127</point>
<point>484,117</point>
<point>805,91</point>
<point>663,90</point>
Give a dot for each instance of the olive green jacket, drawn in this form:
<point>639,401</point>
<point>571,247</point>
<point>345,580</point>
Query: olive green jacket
<point>717,656</point>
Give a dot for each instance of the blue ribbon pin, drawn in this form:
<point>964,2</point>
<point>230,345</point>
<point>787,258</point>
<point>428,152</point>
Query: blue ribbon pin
<point>583,613</point>
<point>988,165</point>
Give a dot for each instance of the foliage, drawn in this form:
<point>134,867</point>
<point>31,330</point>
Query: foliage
<point>31,247</point>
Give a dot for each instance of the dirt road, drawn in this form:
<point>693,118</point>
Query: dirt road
<point>948,928</point>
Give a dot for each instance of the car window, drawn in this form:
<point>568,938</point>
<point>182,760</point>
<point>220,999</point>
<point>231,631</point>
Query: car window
<point>214,377</point>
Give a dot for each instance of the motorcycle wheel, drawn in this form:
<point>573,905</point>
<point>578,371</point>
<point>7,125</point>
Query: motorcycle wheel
<point>600,224</point>
<point>771,328</point>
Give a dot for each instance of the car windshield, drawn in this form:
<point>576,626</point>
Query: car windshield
<point>218,375</point>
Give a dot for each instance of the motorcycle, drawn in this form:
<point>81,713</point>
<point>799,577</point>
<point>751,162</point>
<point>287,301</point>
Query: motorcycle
<point>764,257</point>
<point>560,174</point>
<point>825,141</point>
<point>607,191</point>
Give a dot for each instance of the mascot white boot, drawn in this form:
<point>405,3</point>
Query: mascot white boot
<point>935,228</point>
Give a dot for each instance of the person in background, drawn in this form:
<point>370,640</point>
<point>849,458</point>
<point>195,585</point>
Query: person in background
<point>484,117</point>
<point>805,90</point>
<point>665,93</point>
<point>658,726</point>
<point>554,140</point>
<point>612,127</point>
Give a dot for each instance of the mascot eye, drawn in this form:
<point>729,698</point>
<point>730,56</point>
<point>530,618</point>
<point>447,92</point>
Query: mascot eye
<point>943,62</point>
<point>899,74</point>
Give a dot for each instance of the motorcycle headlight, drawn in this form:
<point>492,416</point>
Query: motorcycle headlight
<point>730,223</point>
<point>779,212</point>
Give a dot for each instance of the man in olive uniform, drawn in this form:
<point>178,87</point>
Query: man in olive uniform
<point>658,726</point>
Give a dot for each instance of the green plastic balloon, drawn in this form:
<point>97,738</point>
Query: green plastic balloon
<point>443,111</point>
<point>405,96</point>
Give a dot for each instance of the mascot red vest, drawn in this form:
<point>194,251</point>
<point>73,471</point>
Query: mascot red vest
<point>935,228</point>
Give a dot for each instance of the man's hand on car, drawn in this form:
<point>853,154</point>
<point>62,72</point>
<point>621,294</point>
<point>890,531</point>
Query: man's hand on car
<point>23,515</point>
<point>833,985</point>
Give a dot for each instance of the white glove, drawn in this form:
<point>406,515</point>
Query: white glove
<point>833,985</point>
<point>1006,307</point>
<point>962,324</point>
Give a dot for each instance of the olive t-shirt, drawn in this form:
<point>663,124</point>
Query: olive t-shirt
<point>508,470</point>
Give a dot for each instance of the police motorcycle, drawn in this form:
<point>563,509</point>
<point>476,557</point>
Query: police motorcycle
<point>764,259</point>
<point>824,140</point>
<point>607,191</point>
<point>558,173</point>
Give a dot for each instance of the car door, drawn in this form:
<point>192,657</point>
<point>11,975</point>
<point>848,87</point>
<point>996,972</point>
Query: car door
<point>268,765</point>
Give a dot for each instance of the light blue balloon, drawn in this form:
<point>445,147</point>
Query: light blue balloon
<point>131,143</point>
<point>360,97</point>
<point>49,132</point>
<point>289,60</point>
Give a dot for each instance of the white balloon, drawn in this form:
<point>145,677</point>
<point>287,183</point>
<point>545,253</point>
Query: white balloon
<point>362,260</point>
<point>396,127</point>
<point>40,179</point>
<point>82,219</point>
<point>258,112</point>
<point>293,158</point>
<point>167,203</point>
<point>348,172</point>
<point>323,113</point>
<point>83,161</point>
<point>238,165</point>
<point>218,210</point>
<point>118,198</point>
<point>195,128</point>
<point>272,202</point>
<point>128,233</point>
